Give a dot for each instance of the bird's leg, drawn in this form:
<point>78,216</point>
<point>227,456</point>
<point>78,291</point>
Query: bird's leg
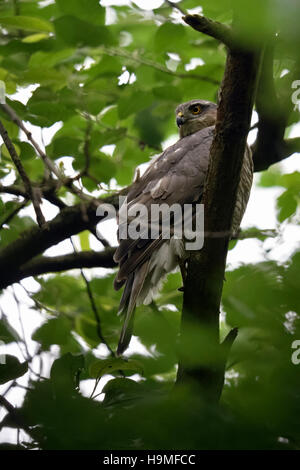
<point>183,270</point>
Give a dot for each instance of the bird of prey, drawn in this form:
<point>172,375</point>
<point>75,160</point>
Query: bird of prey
<point>177,175</point>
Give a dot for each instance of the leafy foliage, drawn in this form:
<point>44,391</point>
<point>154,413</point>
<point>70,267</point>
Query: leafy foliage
<point>108,81</point>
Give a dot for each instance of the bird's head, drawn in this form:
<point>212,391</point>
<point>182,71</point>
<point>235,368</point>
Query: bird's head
<point>195,115</point>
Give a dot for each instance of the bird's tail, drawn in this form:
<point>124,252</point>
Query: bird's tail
<point>133,287</point>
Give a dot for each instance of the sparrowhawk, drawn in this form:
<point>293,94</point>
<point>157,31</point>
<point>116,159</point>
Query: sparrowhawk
<point>177,175</point>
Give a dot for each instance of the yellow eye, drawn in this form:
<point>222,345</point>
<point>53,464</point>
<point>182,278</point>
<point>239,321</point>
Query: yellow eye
<point>196,109</point>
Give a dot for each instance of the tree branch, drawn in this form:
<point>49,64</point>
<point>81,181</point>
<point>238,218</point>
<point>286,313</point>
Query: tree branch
<point>93,259</point>
<point>32,193</point>
<point>273,111</point>
<point>32,242</point>
<point>216,30</point>
<point>14,212</point>
<point>46,190</point>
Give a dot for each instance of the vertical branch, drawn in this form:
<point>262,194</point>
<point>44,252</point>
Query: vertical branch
<point>93,305</point>
<point>206,268</point>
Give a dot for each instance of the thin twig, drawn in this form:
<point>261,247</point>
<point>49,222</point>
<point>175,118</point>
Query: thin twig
<point>95,386</point>
<point>15,118</point>
<point>11,385</point>
<point>10,216</point>
<point>67,182</point>
<point>15,416</point>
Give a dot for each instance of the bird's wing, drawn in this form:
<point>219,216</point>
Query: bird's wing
<point>175,176</point>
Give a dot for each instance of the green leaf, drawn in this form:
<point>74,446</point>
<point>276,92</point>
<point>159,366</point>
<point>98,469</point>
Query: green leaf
<point>107,366</point>
<point>102,167</point>
<point>210,9</point>
<point>40,58</point>
<point>7,333</point>
<point>84,238</point>
<point>46,76</point>
<point>19,107</point>
<point>75,32</point>
<point>151,126</point>
<point>232,244</point>
<point>45,107</point>
<point>108,67</point>
<point>5,153</point>
<point>99,137</point>
<point>128,155</point>
<point>291,181</point>
<point>58,293</point>
<point>63,147</point>
<point>170,37</point>
<point>34,167</point>
<point>270,178</point>
<point>286,205</point>
<point>87,328</point>
<point>121,390</point>
<point>7,209</point>
<point>11,369</point>
<point>133,102</point>
<point>256,20</point>
<point>12,131</point>
<point>27,23</point>
<point>16,226</point>
<point>27,151</point>
<point>259,300</point>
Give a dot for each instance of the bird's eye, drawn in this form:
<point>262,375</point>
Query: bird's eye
<point>196,109</point>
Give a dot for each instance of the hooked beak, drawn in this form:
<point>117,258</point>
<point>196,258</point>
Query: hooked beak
<point>180,119</point>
